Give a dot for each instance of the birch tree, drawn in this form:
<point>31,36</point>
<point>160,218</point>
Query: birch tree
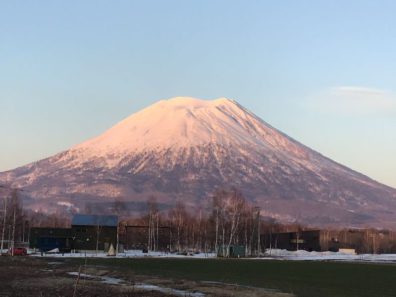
<point>219,203</point>
<point>153,218</point>
<point>235,208</point>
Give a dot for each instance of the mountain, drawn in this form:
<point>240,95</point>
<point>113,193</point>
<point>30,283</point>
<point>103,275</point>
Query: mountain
<point>183,149</point>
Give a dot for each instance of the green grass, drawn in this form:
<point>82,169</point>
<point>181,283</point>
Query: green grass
<point>303,278</point>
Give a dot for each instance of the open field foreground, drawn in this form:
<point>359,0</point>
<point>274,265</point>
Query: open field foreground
<point>28,276</point>
<point>46,277</point>
<point>304,279</point>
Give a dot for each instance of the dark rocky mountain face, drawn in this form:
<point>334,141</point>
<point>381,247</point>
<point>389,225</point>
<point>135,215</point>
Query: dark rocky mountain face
<point>184,149</point>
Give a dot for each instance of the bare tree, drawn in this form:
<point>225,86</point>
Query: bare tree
<point>229,207</point>
<point>153,223</point>
<point>219,205</point>
<point>178,217</point>
<point>235,207</point>
<point>258,231</point>
<point>17,217</point>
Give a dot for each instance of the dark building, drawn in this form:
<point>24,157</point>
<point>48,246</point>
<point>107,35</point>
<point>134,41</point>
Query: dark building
<point>46,239</point>
<point>309,240</point>
<point>87,232</point>
<point>94,232</point>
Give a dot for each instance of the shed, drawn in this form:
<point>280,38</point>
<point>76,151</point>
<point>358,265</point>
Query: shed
<point>235,251</point>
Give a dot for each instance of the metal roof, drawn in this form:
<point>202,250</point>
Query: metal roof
<point>94,220</point>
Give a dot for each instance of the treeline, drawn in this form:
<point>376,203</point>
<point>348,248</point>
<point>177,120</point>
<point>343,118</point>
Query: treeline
<point>228,220</point>
<point>232,220</point>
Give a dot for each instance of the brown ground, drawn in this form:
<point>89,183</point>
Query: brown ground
<point>40,277</point>
<point>33,277</point>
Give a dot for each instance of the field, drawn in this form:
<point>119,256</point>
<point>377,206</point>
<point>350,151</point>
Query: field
<point>302,278</point>
<point>40,276</point>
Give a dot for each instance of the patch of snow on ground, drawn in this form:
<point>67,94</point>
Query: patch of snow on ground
<point>104,279</point>
<point>327,256</point>
<point>142,286</point>
<point>170,291</point>
<point>274,254</point>
<point>128,254</point>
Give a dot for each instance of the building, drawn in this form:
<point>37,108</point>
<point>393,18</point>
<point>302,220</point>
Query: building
<point>46,239</point>
<point>94,232</point>
<point>309,240</point>
<point>87,233</point>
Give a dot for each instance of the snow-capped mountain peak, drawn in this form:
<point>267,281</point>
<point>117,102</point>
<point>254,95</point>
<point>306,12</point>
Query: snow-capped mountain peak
<point>183,122</point>
<point>185,148</point>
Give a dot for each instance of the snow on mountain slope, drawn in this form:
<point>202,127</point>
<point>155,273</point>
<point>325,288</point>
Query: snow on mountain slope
<point>185,148</point>
<point>184,122</point>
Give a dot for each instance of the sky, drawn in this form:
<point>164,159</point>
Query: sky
<point>323,72</point>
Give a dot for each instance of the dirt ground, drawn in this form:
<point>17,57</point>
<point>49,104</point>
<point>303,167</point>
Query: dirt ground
<point>28,277</point>
<point>41,277</point>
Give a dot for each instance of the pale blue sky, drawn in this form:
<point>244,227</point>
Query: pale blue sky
<point>323,72</point>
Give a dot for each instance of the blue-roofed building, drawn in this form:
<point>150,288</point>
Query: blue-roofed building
<point>94,232</point>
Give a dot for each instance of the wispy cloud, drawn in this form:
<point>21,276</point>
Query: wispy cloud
<point>354,100</point>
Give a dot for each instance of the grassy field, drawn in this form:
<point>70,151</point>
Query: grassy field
<point>303,278</point>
